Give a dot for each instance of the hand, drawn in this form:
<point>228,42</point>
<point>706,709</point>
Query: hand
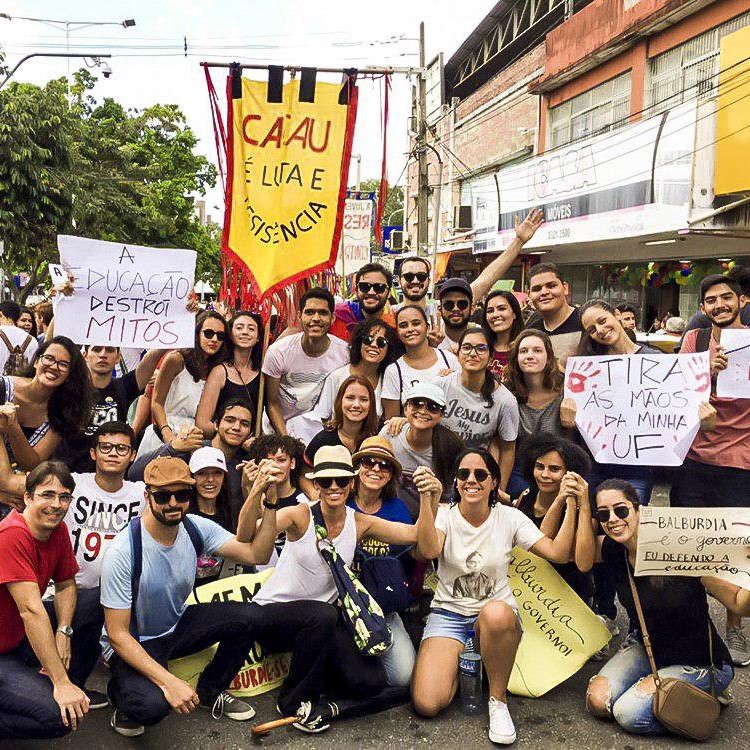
<point>504,497</point>
<point>573,487</point>
<point>568,410</point>
<point>719,361</point>
<point>62,643</point>
<point>65,289</point>
<point>394,425</point>
<point>445,372</point>
<point>268,473</point>
<point>187,439</point>
<point>435,337</point>
<point>248,443</point>
<point>707,416</point>
<point>193,306</point>
<point>426,482</point>
<point>73,702</point>
<point>8,417</point>
<point>180,696</point>
<point>526,229</point>
<point>249,472</point>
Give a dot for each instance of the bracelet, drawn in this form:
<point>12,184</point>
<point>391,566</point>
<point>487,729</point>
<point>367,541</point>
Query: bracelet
<point>165,426</point>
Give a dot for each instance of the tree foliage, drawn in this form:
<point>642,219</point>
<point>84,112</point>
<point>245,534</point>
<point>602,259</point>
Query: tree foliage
<point>97,170</point>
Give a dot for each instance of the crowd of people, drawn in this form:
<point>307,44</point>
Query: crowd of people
<point>420,436</point>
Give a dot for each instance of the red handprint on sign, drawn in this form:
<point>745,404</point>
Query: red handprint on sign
<point>697,367</point>
<point>578,376</point>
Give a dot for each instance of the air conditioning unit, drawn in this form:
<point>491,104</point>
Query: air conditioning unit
<point>462,218</point>
<point>399,240</point>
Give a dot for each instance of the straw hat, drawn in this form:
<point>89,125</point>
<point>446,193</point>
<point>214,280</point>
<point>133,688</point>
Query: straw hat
<point>377,447</point>
<point>331,461</point>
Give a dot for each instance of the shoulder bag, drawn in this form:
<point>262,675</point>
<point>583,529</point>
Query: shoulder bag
<point>682,708</point>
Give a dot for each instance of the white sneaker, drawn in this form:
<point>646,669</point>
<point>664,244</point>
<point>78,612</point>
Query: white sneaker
<point>502,731</point>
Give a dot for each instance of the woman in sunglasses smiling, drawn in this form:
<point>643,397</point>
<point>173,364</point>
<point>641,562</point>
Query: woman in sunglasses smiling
<point>421,362</point>
<point>181,379</point>
<point>472,540</point>
<point>676,613</point>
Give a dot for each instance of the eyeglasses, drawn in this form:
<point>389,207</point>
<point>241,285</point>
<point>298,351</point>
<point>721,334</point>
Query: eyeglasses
<point>423,403</point>
<point>376,463</point>
<point>603,515</point>
<point>208,333</point>
<point>380,341</point>
<point>365,286</point>
<point>49,361</point>
<point>327,482</point>
<point>49,496</point>
<point>469,348</point>
<point>420,276</point>
<point>449,304</point>
<point>480,475</point>
<point>119,448</point>
<point>162,497</point>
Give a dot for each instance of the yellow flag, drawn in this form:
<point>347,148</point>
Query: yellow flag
<point>288,164</point>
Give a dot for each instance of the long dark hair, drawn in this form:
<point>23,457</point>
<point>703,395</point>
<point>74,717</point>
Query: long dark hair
<point>370,426</point>
<point>587,347</point>
<point>492,467</point>
<point>395,347</point>
<point>517,324</point>
<point>71,404</point>
<point>514,379</point>
<point>197,363</point>
<point>489,384</point>
<point>256,354</point>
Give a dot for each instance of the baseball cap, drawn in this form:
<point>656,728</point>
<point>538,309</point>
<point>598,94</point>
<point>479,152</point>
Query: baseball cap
<point>456,284</point>
<point>207,457</point>
<point>167,470</point>
<point>423,389</point>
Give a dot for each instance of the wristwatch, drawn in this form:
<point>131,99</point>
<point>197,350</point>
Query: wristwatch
<point>65,630</point>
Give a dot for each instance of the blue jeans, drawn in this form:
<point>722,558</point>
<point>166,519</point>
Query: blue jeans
<point>398,661</point>
<point>632,709</point>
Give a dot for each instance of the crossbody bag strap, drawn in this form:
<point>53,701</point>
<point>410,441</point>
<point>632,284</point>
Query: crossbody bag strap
<point>642,622</point>
<point>136,559</point>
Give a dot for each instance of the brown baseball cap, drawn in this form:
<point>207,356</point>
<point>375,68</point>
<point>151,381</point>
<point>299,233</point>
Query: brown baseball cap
<point>166,471</point>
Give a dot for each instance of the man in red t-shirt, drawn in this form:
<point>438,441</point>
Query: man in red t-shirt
<point>716,472</point>
<point>34,549</point>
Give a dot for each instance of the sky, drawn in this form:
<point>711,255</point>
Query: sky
<point>149,63</point>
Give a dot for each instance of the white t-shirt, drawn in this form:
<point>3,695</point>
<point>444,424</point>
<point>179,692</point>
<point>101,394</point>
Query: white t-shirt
<point>94,518</point>
<point>473,566</point>
<point>331,385</point>
<point>467,413</point>
<point>399,376</point>
<point>301,376</point>
<point>447,345</point>
<point>16,336</point>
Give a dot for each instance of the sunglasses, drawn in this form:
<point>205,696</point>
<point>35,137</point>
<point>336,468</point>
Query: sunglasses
<point>603,515</point>
<point>480,475</point>
<point>371,463</point>
<point>209,334</point>
<point>450,304</point>
<point>420,276</point>
<point>380,341</point>
<point>119,448</point>
<point>469,348</point>
<point>365,286</point>
<point>327,482</point>
<point>162,497</point>
<point>423,403</point>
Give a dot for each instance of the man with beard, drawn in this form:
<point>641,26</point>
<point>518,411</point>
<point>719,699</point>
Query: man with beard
<point>373,287</point>
<point>716,472</point>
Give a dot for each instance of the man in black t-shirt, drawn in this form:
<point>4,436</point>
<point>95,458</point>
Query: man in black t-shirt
<point>560,320</point>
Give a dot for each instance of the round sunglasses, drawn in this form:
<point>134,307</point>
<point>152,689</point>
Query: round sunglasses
<point>380,341</point>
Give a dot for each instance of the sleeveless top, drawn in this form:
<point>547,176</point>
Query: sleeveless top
<point>33,434</point>
<point>301,574</point>
<point>250,391</point>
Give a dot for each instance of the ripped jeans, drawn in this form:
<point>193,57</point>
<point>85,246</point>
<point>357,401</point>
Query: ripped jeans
<point>631,708</point>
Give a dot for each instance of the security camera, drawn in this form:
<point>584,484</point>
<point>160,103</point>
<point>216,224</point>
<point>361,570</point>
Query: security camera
<point>106,70</point>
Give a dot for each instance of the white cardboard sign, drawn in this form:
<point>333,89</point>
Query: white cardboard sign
<point>734,382</point>
<point>126,295</point>
<point>638,408</point>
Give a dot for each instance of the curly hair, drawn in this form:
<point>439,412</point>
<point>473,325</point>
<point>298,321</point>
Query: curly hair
<point>370,426</point>
<point>535,446</point>
<point>515,380</point>
<point>265,446</point>
<point>395,347</point>
<point>197,363</point>
<point>71,404</point>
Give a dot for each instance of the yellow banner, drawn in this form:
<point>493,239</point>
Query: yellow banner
<point>261,672</point>
<point>288,165</point>
<point>560,633</point>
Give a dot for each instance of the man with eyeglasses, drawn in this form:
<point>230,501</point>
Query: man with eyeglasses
<point>372,284</point>
<point>103,503</point>
<point>38,699</point>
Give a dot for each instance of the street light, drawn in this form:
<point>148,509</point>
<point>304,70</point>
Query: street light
<point>106,69</point>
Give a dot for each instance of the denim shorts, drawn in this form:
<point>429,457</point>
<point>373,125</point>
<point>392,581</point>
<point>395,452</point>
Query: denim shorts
<point>442,623</point>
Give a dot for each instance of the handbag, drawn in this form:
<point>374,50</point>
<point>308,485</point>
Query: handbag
<point>682,708</point>
<point>386,579</point>
<point>362,614</point>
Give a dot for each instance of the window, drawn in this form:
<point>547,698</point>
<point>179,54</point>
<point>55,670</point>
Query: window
<point>598,110</point>
<point>689,71</point>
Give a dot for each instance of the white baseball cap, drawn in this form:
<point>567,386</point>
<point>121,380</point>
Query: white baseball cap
<point>207,458</point>
<point>424,389</point>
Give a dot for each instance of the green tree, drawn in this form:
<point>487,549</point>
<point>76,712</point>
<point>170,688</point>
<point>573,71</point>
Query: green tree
<point>394,205</point>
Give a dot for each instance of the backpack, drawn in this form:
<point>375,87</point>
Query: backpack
<point>17,362</point>
<point>703,339</point>
<point>136,558</point>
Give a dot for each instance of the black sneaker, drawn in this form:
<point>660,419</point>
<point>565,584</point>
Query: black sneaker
<point>97,699</point>
<point>314,719</point>
<point>125,726</point>
<point>231,707</point>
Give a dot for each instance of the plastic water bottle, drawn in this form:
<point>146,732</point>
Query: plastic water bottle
<point>470,678</point>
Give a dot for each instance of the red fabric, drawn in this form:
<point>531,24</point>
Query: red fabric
<point>24,558</point>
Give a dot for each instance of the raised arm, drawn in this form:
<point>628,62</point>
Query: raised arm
<point>147,366</point>
<point>11,483</point>
<point>29,457</point>
<point>559,549</point>
<point>429,539</point>
<point>734,598</point>
<point>169,370</point>
<point>273,404</point>
<point>204,415</point>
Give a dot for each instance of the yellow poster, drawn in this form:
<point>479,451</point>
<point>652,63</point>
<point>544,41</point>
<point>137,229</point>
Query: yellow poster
<point>560,633</point>
<point>288,164</point>
<point>261,672</point>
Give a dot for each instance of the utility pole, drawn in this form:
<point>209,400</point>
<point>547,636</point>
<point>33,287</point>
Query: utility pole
<point>423,190</point>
